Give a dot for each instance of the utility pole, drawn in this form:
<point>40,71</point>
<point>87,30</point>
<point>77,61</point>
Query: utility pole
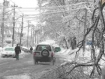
<point>21,34</point>
<point>2,27</point>
<point>13,25</point>
<point>31,35</point>
<point>28,33</point>
<point>13,36</point>
<point>85,26</point>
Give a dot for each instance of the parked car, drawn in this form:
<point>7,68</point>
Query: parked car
<point>8,52</point>
<point>57,49</point>
<point>44,53</point>
<point>25,49</point>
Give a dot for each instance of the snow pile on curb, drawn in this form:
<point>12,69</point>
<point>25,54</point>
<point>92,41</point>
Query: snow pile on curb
<point>61,73</point>
<point>68,56</point>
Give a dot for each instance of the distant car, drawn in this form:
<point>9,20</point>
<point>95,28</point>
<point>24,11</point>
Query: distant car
<point>44,53</point>
<point>57,49</point>
<point>8,52</point>
<point>25,49</point>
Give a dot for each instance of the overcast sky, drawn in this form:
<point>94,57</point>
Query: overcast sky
<point>24,3</point>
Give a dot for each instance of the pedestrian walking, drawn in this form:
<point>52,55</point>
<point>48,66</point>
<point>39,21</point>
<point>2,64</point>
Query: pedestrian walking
<point>73,43</point>
<point>31,49</point>
<point>17,51</point>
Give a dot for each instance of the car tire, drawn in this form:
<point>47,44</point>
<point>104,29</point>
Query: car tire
<point>42,53</point>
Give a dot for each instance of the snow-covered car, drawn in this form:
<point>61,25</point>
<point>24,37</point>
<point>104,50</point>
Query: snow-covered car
<point>57,48</point>
<point>8,52</point>
<point>25,49</point>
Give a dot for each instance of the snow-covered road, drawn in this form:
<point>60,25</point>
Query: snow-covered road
<point>12,69</point>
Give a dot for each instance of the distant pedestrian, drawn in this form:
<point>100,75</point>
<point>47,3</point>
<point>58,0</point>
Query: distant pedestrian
<point>31,49</point>
<point>17,51</point>
<point>73,43</point>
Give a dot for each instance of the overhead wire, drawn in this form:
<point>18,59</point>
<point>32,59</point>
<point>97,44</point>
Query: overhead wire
<point>15,4</point>
<point>58,6</point>
<point>51,7</point>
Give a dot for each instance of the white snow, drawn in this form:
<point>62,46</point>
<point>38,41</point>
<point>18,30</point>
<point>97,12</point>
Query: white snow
<point>68,55</point>
<point>48,42</point>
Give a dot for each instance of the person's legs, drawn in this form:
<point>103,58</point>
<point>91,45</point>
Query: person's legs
<point>17,56</point>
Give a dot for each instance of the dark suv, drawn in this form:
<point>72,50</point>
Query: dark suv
<point>44,53</point>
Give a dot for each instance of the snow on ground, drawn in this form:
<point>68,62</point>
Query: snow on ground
<point>68,55</point>
<point>65,54</point>
<point>22,54</point>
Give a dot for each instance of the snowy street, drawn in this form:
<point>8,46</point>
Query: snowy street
<point>10,68</point>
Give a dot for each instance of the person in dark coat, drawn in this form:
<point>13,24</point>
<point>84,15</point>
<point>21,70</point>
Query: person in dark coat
<point>73,43</point>
<point>17,51</point>
<point>31,49</point>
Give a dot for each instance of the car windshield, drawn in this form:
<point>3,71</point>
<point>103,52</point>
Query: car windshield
<point>41,47</point>
<point>9,49</point>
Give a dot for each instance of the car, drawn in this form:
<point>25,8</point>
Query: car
<point>8,52</point>
<point>57,49</point>
<point>25,49</point>
<point>44,53</point>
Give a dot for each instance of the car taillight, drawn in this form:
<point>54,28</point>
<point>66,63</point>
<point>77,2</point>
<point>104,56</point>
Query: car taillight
<point>52,54</point>
<point>34,53</point>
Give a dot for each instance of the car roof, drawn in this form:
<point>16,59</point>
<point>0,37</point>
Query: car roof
<point>44,44</point>
<point>8,47</point>
<point>47,42</point>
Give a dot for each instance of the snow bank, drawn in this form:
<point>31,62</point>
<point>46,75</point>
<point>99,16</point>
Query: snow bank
<point>60,72</point>
<point>67,55</point>
<point>82,56</point>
